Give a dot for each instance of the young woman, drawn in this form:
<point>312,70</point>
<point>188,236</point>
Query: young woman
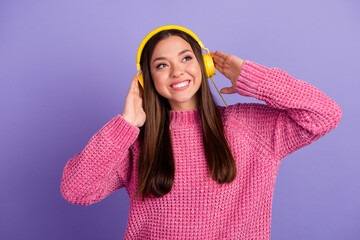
<point>193,169</point>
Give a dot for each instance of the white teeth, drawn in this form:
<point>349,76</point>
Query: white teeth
<point>180,84</point>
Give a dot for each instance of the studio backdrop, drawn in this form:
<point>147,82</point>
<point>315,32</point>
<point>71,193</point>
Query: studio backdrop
<point>66,67</point>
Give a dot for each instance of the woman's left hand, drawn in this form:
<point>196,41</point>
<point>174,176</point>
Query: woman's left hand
<point>229,66</point>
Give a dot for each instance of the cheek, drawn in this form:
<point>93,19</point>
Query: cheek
<point>159,81</point>
<point>195,68</point>
<point>196,71</point>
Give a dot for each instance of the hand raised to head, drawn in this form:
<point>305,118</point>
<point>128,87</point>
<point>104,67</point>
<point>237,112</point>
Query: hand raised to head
<point>229,66</point>
<point>133,111</point>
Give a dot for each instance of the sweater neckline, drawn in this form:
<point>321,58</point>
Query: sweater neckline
<point>184,118</point>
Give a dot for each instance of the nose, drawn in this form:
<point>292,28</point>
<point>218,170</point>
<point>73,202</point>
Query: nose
<point>177,70</point>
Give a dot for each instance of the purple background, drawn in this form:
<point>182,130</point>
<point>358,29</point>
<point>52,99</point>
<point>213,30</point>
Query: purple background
<point>66,66</point>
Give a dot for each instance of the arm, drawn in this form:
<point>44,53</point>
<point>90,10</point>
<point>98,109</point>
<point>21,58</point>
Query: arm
<point>296,113</point>
<point>103,166</point>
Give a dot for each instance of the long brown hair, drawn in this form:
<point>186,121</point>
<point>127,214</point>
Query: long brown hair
<point>156,167</point>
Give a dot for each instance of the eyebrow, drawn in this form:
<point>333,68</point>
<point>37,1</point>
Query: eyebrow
<point>180,53</point>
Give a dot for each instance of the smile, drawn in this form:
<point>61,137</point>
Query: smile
<point>181,85</point>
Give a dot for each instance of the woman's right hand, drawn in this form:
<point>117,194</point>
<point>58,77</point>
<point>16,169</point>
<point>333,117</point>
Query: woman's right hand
<point>133,111</point>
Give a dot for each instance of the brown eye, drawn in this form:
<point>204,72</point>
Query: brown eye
<point>187,58</point>
<point>161,65</point>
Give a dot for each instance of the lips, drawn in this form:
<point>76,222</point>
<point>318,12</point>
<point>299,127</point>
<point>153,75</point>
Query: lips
<point>177,82</point>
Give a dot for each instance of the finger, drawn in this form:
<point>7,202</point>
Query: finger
<point>135,86</point>
<point>223,70</point>
<point>219,68</point>
<point>138,88</point>
<point>221,54</point>
<point>131,88</point>
<point>218,59</point>
<point>227,90</point>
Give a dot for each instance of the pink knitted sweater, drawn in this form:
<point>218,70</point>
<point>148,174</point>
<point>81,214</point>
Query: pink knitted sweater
<point>197,207</point>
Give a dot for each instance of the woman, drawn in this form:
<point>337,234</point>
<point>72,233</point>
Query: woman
<point>195,170</point>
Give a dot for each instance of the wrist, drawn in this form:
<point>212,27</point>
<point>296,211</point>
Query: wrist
<point>241,63</point>
<point>129,120</point>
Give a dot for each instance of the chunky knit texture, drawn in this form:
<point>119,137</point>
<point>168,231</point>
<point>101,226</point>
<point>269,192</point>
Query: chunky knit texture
<point>260,135</point>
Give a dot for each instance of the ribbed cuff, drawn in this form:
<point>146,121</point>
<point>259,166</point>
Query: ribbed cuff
<point>250,78</point>
<point>120,132</point>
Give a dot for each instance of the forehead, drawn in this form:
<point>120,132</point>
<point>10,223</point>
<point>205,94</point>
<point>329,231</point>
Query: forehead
<point>170,46</point>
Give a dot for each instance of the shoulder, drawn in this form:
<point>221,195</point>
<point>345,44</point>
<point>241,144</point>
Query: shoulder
<point>254,123</point>
<point>250,117</point>
<point>246,111</point>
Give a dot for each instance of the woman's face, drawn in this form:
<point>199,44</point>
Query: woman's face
<point>176,73</point>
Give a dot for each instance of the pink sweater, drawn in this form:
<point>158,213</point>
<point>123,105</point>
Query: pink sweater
<point>197,207</point>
